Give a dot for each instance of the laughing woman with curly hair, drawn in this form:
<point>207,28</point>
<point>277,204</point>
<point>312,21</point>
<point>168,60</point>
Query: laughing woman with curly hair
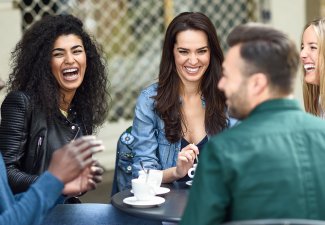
<point>58,91</point>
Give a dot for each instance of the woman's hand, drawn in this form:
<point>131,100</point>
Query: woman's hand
<point>185,160</point>
<point>86,181</point>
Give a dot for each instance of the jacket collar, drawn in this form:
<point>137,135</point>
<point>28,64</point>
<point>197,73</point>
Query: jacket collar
<point>276,105</point>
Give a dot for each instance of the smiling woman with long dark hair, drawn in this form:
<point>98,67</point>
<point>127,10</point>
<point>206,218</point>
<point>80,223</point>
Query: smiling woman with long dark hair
<point>175,117</point>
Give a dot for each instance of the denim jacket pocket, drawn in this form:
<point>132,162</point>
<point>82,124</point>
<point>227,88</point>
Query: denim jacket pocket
<point>124,174</point>
<point>124,160</point>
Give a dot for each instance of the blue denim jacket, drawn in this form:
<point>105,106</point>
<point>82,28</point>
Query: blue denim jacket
<point>150,143</point>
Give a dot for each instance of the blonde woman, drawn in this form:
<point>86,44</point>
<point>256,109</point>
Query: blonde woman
<point>312,56</point>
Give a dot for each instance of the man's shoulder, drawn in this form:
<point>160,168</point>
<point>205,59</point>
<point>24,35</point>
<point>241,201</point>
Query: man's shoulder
<point>302,120</point>
<point>253,127</point>
<point>316,120</point>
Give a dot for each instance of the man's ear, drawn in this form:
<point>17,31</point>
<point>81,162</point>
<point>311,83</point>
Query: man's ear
<point>258,83</point>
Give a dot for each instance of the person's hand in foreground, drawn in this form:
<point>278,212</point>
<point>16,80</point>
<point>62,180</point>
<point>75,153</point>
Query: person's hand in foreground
<point>74,166</point>
<point>86,181</point>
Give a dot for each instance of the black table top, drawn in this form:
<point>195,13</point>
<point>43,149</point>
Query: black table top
<point>170,211</point>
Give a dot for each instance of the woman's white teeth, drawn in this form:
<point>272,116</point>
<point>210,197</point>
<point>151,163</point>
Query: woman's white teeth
<point>70,70</point>
<point>70,74</point>
<point>309,67</point>
<point>192,70</point>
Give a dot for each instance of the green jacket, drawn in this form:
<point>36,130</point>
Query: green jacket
<point>271,165</point>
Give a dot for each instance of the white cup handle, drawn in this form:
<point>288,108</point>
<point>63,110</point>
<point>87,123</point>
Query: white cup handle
<point>191,172</point>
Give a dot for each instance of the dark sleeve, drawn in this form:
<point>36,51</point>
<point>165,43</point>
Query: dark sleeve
<point>15,113</point>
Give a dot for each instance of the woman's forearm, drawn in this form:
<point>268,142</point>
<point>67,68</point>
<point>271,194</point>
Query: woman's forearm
<point>170,175</point>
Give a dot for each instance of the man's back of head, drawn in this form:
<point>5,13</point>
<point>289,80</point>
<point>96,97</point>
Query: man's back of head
<point>269,51</point>
<point>260,65</point>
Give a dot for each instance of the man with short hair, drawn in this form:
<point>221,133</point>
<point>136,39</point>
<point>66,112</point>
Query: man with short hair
<point>271,165</point>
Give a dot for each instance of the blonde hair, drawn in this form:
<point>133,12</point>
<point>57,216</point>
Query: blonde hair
<point>314,95</point>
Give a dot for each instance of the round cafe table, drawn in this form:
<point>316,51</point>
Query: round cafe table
<point>170,211</point>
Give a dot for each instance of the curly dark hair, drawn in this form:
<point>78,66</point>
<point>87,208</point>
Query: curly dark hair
<point>31,70</point>
<point>167,99</point>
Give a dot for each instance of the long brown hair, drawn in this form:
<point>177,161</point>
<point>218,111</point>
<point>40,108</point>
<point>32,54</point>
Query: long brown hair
<point>168,104</point>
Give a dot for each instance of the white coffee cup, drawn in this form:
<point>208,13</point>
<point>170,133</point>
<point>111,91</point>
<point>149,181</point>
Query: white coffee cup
<point>191,171</point>
<point>142,191</point>
<point>154,177</point>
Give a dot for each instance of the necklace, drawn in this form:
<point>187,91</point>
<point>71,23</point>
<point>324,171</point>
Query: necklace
<point>202,101</point>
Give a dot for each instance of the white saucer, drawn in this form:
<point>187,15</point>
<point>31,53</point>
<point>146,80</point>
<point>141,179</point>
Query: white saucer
<point>155,201</point>
<point>159,191</point>
<point>189,182</point>
<point>162,190</point>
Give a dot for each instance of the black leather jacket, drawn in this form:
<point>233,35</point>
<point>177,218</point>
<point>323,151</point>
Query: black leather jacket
<point>28,139</point>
